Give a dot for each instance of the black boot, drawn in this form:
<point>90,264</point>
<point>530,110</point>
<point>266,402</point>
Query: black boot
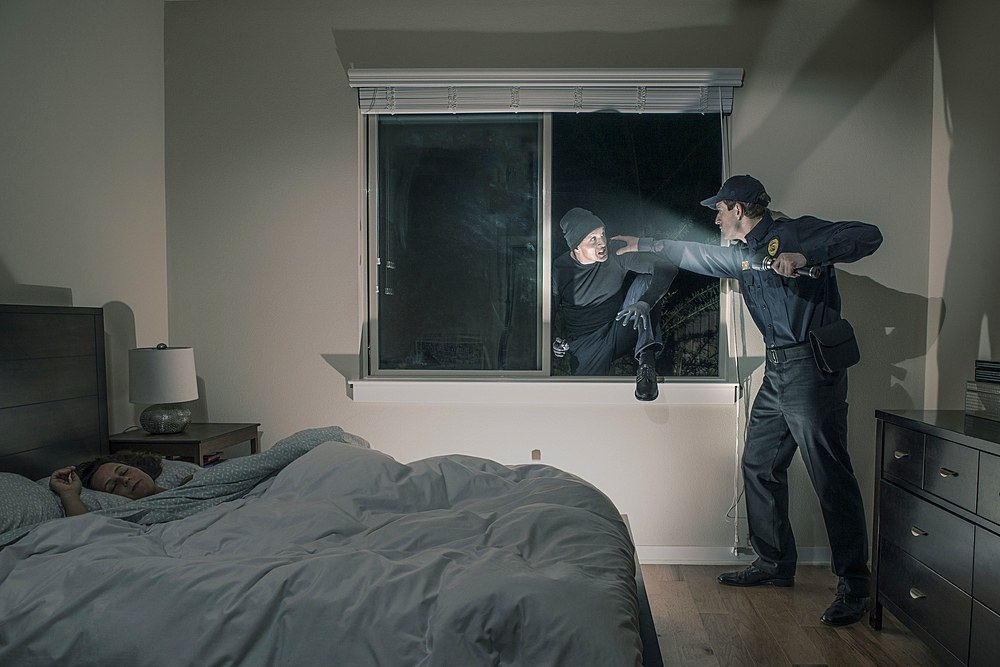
<point>645,383</point>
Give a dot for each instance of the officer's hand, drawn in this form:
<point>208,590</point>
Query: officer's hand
<point>637,313</point>
<point>786,263</point>
<point>631,244</point>
<point>560,347</point>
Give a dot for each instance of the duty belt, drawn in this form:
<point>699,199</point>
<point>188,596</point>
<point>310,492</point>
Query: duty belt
<point>781,354</point>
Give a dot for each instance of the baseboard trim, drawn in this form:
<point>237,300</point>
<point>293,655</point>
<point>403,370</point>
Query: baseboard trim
<point>656,555</point>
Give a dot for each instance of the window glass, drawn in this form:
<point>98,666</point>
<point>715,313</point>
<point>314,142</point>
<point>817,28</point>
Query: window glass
<point>458,237</point>
<point>644,175</point>
<point>458,210</point>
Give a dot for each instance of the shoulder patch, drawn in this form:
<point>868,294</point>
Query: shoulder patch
<point>772,247</point>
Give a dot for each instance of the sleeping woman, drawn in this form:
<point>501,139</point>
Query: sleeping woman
<point>124,473</point>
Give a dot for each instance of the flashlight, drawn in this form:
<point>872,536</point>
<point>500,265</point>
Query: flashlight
<point>762,262</point>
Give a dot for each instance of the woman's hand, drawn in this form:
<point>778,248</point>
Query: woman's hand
<point>65,480</point>
<point>67,484</point>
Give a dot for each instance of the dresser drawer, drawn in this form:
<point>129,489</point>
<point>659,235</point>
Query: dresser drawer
<point>937,538</point>
<point>951,471</point>
<point>989,487</point>
<point>986,577</point>
<point>939,608</point>
<point>903,453</point>
<point>985,637</point>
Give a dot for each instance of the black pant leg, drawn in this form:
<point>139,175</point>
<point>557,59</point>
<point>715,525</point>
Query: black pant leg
<point>768,453</point>
<point>816,412</point>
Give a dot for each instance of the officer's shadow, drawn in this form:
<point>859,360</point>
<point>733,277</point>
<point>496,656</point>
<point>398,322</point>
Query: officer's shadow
<point>891,327</point>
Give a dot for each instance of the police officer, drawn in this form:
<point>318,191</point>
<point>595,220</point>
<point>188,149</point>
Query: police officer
<point>802,401</point>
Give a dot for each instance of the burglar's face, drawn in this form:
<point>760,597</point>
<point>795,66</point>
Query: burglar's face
<point>592,249</point>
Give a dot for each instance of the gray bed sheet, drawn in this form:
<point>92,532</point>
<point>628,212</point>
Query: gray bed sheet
<point>332,554</point>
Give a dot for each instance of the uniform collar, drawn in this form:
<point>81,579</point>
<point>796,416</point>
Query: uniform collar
<point>761,231</point>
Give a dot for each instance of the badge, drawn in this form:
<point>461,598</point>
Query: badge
<point>746,265</point>
<point>772,247</point>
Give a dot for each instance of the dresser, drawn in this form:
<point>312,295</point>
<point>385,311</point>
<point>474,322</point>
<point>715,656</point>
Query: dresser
<point>936,531</point>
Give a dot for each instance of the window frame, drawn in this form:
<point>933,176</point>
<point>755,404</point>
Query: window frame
<point>448,386</point>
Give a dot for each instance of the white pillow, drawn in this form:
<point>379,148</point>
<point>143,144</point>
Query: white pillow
<point>23,503</point>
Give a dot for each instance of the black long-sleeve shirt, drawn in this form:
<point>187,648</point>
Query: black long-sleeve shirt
<point>784,309</point>
<point>591,295</point>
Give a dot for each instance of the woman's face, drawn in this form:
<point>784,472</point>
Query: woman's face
<point>123,480</point>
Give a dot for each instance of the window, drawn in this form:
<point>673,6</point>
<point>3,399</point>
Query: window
<point>463,212</point>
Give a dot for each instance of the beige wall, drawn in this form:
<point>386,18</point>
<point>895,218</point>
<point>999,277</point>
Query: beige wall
<point>262,179</point>
<point>964,320</point>
<point>82,204</point>
<point>261,183</point>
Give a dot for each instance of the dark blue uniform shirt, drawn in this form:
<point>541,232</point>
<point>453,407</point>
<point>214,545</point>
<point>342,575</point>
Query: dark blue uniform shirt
<point>784,309</point>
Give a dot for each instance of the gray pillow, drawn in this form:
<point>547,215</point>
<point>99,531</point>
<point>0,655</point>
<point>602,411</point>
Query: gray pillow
<point>23,503</point>
<point>93,500</point>
<point>174,473</point>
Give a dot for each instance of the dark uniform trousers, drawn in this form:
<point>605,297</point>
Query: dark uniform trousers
<point>800,407</point>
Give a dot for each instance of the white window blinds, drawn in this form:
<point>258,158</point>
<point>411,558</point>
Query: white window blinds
<point>392,91</point>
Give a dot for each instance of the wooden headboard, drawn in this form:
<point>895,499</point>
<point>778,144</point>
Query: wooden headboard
<point>53,388</point>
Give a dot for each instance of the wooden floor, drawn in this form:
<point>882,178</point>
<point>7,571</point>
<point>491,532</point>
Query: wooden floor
<point>704,624</point>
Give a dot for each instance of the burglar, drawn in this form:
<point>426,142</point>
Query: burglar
<point>802,401</point>
<point>589,286</point>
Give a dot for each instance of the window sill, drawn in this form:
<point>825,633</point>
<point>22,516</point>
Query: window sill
<point>567,391</point>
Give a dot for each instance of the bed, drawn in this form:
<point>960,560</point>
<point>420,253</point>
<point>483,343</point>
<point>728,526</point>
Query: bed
<point>320,550</point>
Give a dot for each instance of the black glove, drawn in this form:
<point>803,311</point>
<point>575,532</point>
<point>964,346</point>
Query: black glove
<point>638,313</point>
<point>560,347</point>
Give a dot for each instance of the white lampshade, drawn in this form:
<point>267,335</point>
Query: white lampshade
<point>162,375</point>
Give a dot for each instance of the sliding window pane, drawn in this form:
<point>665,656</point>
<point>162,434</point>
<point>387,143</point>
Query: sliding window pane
<point>644,175</point>
<point>458,237</point>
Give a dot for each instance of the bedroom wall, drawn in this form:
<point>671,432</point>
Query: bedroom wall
<point>262,223</point>
<point>82,198</point>
<point>964,318</point>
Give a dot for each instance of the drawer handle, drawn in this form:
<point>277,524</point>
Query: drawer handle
<point>917,532</point>
<point>900,455</point>
<point>916,595</point>
<point>948,473</point>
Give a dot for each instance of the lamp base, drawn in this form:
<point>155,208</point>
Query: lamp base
<point>165,418</point>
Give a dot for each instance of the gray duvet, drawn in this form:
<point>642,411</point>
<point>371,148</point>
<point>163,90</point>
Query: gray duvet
<point>327,553</point>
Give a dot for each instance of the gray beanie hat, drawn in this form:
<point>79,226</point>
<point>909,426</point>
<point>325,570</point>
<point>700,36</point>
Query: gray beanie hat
<point>576,224</point>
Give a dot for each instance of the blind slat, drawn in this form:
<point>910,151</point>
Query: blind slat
<point>415,91</point>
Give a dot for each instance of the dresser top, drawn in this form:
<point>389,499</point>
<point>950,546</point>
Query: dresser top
<point>952,425</point>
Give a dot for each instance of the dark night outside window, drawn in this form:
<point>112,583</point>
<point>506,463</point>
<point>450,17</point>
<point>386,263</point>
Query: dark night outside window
<point>459,231</point>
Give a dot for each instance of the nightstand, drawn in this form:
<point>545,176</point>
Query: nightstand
<point>196,440</point>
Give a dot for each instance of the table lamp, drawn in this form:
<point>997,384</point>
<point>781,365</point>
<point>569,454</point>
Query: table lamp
<point>165,377</point>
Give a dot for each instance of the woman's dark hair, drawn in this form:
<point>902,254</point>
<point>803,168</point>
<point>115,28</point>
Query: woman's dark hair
<point>149,463</point>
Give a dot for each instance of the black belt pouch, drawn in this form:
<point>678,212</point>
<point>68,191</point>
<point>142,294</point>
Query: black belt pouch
<point>835,346</point>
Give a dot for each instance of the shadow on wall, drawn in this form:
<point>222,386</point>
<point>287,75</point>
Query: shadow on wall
<point>968,48</point>
<point>689,46</point>
<point>840,72</point>
<point>35,295</point>
<point>119,337</point>
<point>891,327</point>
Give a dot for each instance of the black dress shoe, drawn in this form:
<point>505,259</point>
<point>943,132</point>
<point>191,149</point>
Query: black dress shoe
<point>846,609</point>
<point>754,577</point>
<point>645,383</point>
